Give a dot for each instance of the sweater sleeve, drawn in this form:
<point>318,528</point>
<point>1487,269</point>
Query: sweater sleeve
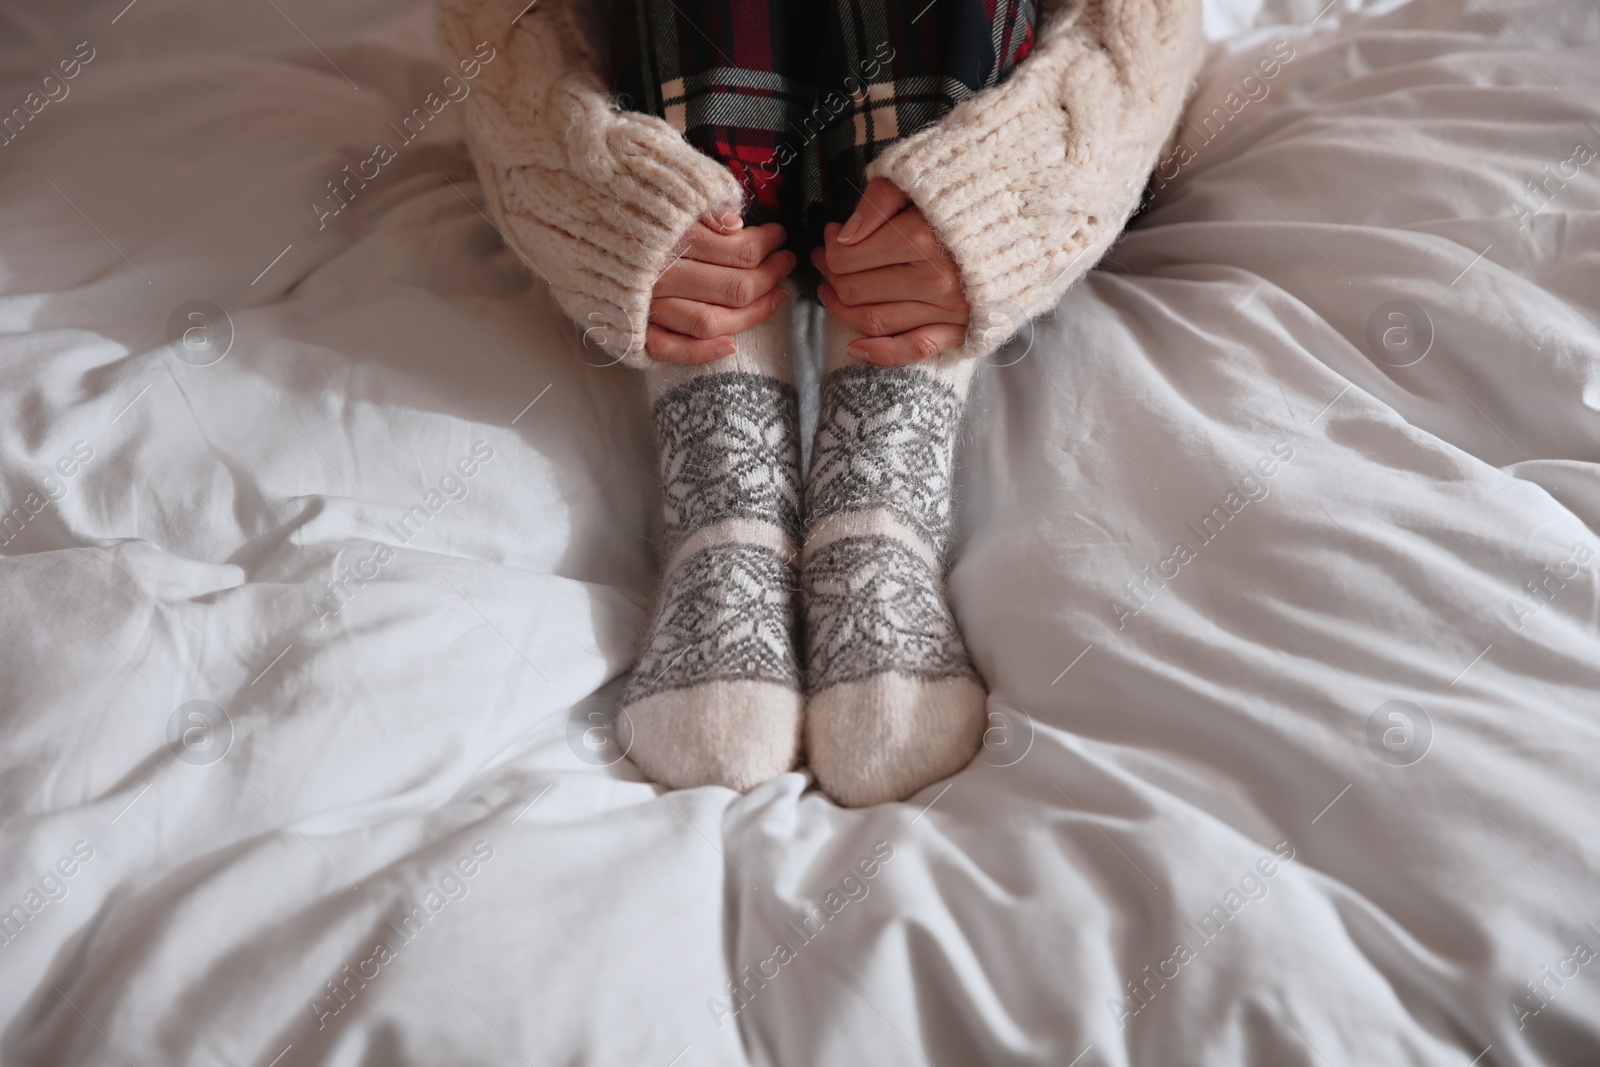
<point>1028,183</point>
<point>592,197</point>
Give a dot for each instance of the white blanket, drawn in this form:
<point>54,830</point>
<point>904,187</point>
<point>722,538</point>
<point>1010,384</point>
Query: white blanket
<point>1281,563</point>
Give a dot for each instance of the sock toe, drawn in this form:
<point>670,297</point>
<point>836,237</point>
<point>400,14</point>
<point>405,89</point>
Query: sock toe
<point>732,733</point>
<point>884,737</point>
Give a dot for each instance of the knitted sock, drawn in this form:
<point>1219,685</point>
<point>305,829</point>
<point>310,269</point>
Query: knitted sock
<point>715,698</point>
<point>893,700</point>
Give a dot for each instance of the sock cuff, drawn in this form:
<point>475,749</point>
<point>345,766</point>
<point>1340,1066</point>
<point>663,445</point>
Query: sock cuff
<point>762,349</point>
<point>953,368</point>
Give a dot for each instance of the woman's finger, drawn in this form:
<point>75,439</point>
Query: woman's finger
<point>885,320</point>
<point>722,220</point>
<point>664,346</point>
<point>907,238</point>
<point>705,321</point>
<point>920,281</point>
<point>910,347</point>
<point>882,201</point>
<point>730,287</point>
<point>744,248</point>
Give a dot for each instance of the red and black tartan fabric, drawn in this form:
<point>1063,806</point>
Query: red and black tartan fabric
<point>797,97</point>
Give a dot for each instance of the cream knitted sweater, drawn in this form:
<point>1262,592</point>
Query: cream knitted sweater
<point>1026,184</point>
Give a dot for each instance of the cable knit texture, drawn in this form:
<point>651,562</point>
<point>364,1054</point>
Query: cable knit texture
<point>592,197</point>
<point>1026,184</point>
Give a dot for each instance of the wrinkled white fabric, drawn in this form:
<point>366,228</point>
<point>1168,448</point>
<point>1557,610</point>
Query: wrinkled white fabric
<point>1149,764</point>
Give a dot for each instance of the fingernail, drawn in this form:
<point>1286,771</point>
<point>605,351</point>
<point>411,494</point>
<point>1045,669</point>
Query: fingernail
<point>731,221</point>
<point>851,225</point>
<point>724,349</point>
<point>782,296</point>
<point>857,352</point>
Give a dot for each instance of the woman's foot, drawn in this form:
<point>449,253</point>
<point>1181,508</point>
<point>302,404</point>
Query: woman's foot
<point>715,698</point>
<point>894,702</point>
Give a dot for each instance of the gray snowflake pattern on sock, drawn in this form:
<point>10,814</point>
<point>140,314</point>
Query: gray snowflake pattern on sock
<point>729,449</point>
<point>885,439</point>
<point>874,605</point>
<point>727,614</point>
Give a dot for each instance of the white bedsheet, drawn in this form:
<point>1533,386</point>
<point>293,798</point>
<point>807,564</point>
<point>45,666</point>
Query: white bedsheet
<point>1216,742</point>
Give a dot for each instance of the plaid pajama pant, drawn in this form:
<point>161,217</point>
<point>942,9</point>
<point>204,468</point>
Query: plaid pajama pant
<point>797,97</point>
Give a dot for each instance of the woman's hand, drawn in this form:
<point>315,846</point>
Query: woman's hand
<point>889,278</point>
<point>724,279</point>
